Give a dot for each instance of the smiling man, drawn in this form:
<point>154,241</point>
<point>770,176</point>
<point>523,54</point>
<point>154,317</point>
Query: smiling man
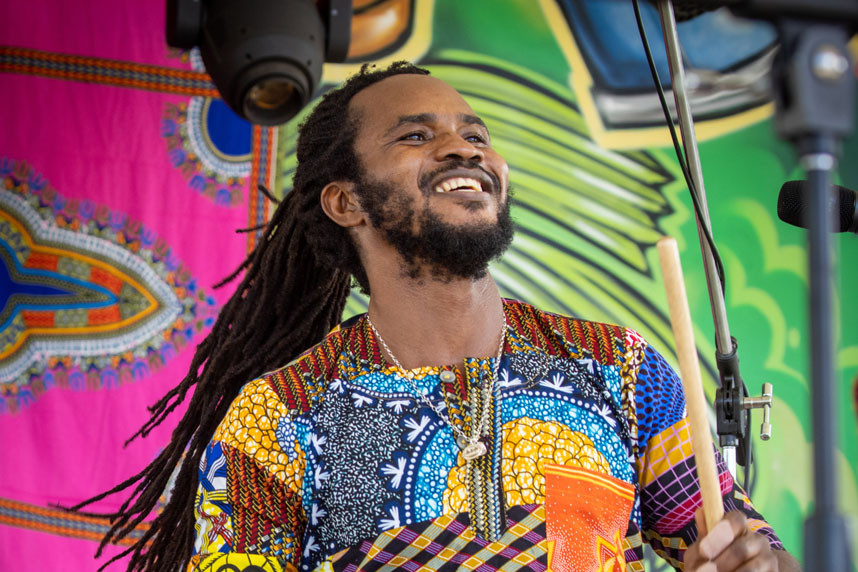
<point>446,428</point>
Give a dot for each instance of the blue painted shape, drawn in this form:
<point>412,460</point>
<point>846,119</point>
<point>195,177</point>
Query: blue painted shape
<point>8,287</point>
<point>229,133</point>
<point>608,38</point>
<point>27,285</point>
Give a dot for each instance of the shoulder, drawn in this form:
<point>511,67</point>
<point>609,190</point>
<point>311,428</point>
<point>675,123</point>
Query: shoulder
<point>299,383</point>
<point>608,344</point>
<point>261,418</point>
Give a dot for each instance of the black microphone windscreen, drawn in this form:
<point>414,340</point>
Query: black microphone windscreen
<point>793,202</point>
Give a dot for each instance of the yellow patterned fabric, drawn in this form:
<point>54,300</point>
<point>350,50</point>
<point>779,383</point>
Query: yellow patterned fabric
<point>527,445</point>
<point>250,427</point>
<point>238,562</point>
<point>664,451</point>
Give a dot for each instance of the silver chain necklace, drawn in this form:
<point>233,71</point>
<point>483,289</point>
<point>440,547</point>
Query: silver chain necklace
<point>471,447</point>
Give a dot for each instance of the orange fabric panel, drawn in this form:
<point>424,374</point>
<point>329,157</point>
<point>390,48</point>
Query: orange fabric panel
<point>104,278</point>
<point>38,318</point>
<point>586,518</point>
<point>99,316</point>
<point>42,261</point>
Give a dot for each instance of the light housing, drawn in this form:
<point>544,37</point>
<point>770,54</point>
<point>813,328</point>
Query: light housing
<point>264,56</point>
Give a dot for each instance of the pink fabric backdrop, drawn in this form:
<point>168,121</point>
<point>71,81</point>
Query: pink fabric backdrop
<point>108,145</point>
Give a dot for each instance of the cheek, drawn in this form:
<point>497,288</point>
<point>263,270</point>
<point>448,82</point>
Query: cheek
<point>502,169</point>
<point>390,168</point>
<point>403,166</point>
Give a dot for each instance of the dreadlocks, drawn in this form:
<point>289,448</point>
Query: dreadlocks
<point>293,292</point>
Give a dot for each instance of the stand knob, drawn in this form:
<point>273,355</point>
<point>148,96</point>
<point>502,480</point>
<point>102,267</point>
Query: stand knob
<point>764,402</point>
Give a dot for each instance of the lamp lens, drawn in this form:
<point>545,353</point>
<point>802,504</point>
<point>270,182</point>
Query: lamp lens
<point>271,93</point>
<point>275,97</point>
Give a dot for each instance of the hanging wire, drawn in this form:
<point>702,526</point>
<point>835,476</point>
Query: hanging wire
<point>680,154</point>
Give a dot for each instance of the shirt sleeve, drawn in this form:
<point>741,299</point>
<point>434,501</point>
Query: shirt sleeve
<point>669,489</point>
<point>248,505</point>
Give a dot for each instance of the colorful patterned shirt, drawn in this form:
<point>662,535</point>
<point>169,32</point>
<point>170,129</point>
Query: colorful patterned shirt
<point>333,463</point>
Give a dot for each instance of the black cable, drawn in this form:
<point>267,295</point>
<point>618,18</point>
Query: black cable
<point>680,155</point>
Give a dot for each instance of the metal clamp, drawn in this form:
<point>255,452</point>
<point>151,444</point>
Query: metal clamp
<point>764,402</point>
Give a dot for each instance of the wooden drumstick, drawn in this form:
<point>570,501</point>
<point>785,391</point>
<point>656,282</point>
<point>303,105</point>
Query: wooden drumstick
<point>689,370</point>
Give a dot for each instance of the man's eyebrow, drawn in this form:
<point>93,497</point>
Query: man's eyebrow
<point>472,120</point>
<point>416,118</point>
<point>431,117</point>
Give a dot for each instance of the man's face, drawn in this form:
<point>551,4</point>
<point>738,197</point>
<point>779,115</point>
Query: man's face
<point>430,181</point>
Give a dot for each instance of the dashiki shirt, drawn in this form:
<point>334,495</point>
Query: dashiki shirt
<point>333,463</point>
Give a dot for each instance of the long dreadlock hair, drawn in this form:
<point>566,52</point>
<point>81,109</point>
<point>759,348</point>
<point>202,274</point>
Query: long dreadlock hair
<point>293,292</point>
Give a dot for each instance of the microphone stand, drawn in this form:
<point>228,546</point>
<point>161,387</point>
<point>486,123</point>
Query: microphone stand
<point>814,97</point>
<point>814,94</point>
<point>731,403</point>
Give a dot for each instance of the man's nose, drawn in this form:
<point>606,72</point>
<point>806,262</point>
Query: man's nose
<point>454,146</point>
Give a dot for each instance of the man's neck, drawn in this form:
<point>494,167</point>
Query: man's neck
<point>432,322</point>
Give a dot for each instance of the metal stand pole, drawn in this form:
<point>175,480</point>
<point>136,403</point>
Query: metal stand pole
<point>732,428</point>
<point>825,542</point>
<point>814,96</point>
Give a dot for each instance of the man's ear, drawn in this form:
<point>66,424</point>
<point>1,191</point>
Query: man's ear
<point>340,204</point>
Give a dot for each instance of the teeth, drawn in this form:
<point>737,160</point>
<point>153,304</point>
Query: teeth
<point>464,184</point>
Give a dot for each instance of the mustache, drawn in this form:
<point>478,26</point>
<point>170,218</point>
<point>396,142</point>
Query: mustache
<point>425,181</point>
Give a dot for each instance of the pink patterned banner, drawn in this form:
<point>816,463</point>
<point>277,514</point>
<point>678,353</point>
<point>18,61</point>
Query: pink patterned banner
<point>123,182</point>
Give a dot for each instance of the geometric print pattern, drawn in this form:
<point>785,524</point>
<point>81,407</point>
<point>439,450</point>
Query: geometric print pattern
<point>104,71</point>
<point>675,495</point>
<point>448,542</point>
<point>659,404</point>
<point>346,467</point>
<point>209,173</point>
<point>251,427</point>
<point>238,563</point>
<point>124,334</point>
<point>587,515</point>
<point>67,293</point>
<point>666,450</point>
<point>266,515</point>
<point>220,154</point>
<point>527,445</point>
<point>60,522</point>
<point>670,493</point>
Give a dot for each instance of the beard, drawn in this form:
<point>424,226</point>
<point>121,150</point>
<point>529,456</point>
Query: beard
<point>425,242</point>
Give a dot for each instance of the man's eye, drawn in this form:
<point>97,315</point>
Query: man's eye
<point>413,137</point>
<point>476,139</point>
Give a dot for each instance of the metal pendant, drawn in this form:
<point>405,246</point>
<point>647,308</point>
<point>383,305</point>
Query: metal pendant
<point>447,376</point>
<point>474,450</point>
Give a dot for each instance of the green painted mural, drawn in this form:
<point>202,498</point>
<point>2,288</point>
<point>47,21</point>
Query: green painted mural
<point>596,184</point>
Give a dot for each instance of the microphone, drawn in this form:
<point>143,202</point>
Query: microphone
<point>793,199</point>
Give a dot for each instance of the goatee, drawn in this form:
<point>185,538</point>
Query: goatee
<point>447,251</point>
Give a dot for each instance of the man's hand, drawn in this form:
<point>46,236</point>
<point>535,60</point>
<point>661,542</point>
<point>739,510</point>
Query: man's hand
<point>731,545</point>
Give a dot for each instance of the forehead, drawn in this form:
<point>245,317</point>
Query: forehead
<point>382,104</point>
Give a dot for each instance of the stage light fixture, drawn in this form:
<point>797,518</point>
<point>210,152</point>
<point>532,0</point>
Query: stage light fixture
<point>264,56</point>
